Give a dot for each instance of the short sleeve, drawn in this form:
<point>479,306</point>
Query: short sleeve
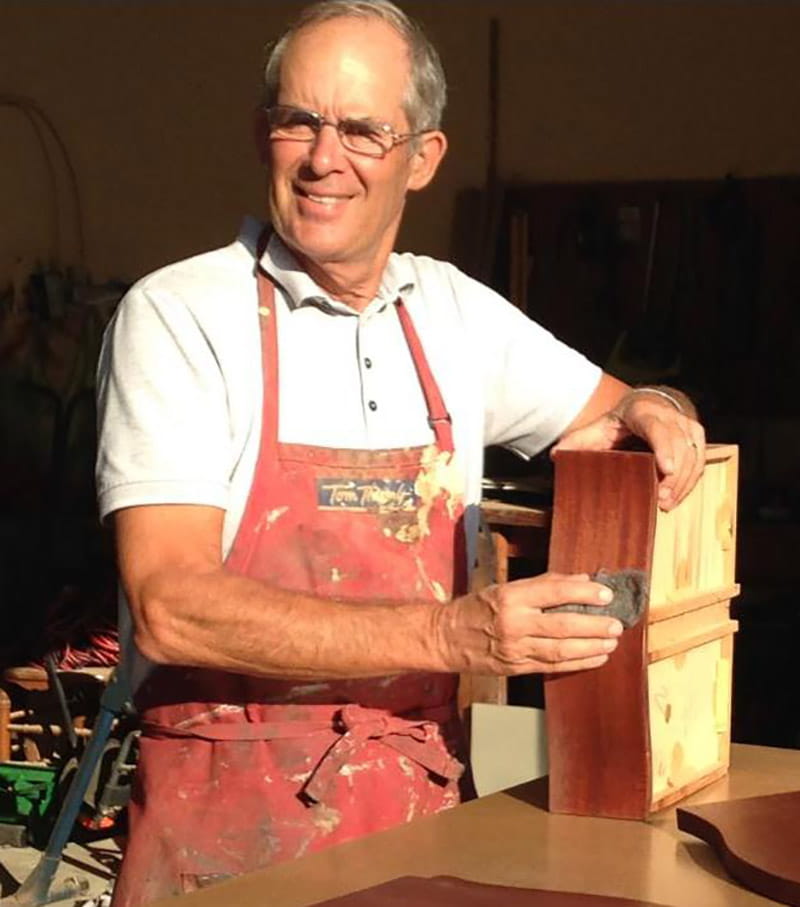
<point>534,384</point>
<point>163,426</point>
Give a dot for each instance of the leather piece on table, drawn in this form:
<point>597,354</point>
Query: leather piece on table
<point>597,721</point>
<point>448,891</point>
<point>757,839</point>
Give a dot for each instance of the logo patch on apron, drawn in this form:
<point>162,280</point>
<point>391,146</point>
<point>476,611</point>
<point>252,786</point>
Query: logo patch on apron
<point>382,495</point>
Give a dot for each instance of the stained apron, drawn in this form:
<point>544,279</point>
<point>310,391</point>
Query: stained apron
<point>237,772</point>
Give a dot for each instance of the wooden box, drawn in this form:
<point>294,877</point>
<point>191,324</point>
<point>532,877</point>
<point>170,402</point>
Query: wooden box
<point>653,724</point>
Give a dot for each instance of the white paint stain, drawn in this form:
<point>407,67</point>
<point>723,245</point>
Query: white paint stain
<point>438,591</point>
<point>209,716</point>
<point>413,802</point>
<point>336,575</point>
<point>451,799</point>
<point>440,479</point>
<point>326,818</point>
<point>349,769</point>
<point>275,515</point>
<point>432,585</point>
<point>303,847</point>
<point>263,311</point>
<point>406,767</point>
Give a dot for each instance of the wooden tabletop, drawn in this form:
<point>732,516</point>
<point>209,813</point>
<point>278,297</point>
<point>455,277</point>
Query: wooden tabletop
<point>510,839</point>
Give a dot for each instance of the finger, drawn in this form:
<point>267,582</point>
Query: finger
<point>675,453</point>
<point>698,436</point>
<point>569,625</point>
<point>555,651</point>
<point>553,575</point>
<point>666,440</point>
<point>551,651</point>
<point>520,610</point>
<point>531,666</point>
<point>685,461</point>
<point>550,589</point>
<point>690,463</point>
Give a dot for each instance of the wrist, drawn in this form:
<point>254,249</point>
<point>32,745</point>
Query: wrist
<point>667,396</point>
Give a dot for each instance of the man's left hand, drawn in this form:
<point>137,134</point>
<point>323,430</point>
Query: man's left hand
<point>677,440</point>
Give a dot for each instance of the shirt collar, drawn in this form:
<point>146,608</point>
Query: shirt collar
<point>300,290</point>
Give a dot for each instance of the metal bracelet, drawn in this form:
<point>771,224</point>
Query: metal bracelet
<point>659,393</point>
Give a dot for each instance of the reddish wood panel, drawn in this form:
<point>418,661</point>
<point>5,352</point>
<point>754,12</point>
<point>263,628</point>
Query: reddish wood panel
<point>597,721</point>
<point>757,839</point>
<point>447,891</point>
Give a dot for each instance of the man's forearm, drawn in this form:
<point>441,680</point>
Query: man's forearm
<point>221,620</point>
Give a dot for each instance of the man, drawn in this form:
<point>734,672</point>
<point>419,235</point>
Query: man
<point>291,440</point>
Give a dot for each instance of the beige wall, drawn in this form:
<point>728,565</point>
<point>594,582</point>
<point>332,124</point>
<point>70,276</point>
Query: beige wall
<point>153,101</point>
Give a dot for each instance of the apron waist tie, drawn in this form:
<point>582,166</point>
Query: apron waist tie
<point>418,739</point>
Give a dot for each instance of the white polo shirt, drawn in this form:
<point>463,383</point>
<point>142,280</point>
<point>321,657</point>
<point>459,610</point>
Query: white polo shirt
<point>180,379</point>
<point>180,383</point>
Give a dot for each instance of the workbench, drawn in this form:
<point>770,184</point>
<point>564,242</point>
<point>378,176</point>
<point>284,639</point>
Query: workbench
<point>509,838</point>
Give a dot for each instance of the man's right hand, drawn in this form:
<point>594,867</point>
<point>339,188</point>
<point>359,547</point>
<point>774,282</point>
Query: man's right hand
<point>506,629</point>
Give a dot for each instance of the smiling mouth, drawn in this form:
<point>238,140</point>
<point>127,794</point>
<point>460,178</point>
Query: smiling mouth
<point>321,199</point>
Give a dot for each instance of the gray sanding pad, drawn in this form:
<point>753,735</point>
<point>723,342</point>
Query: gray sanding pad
<point>630,596</point>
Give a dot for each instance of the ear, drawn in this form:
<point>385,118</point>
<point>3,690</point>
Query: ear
<point>426,159</point>
<point>261,135</point>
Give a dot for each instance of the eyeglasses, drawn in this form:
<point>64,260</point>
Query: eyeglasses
<point>365,136</point>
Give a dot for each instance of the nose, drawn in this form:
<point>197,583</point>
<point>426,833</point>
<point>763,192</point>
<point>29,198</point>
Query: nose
<point>326,152</point>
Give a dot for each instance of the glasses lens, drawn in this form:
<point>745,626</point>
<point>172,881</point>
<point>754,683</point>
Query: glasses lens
<point>292,123</point>
<point>365,137</point>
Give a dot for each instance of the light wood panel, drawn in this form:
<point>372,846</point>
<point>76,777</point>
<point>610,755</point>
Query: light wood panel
<point>695,544</point>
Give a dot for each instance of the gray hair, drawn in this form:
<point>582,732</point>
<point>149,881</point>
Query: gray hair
<point>426,94</point>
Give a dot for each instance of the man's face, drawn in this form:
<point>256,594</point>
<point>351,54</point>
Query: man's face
<point>331,205</point>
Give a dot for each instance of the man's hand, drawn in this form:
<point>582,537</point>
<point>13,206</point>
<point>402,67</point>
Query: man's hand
<point>506,629</point>
<point>676,439</point>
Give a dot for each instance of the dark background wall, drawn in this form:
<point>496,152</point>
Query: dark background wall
<point>154,100</point>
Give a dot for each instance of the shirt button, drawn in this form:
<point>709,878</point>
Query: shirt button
<point>372,405</point>
<point>368,363</point>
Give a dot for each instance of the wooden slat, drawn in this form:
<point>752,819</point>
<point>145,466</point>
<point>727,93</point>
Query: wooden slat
<point>692,642</point>
<point>666,610</point>
<point>688,625</point>
<point>501,514</point>
<point>718,452</point>
<point>687,790</point>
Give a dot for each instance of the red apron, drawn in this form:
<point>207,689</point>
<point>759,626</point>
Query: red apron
<point>237,772</point>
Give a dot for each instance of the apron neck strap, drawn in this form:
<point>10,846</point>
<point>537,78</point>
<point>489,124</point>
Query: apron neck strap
<point>438,417</point>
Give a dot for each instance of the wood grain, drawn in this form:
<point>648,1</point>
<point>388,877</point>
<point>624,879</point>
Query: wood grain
<point>598,740</point>
<point>757,839</point>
